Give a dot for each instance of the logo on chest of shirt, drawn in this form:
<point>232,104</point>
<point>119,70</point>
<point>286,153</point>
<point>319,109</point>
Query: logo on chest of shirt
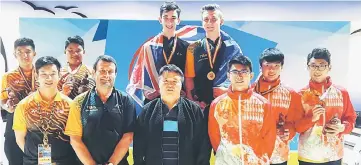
<point>203,57</point>
<point>179,54</point>
<point>91,108</point>
<point>59,111</point>
<point>19,81</point>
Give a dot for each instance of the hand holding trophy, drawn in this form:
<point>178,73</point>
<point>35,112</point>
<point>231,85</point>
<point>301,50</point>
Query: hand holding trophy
<point>282,132</point>
<point>84,85</point>
<point>68,85</point>
<point>333,126</point>
<point>12,101</point>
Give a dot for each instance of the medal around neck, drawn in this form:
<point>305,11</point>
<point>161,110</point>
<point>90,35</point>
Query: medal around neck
<point>211,75</point>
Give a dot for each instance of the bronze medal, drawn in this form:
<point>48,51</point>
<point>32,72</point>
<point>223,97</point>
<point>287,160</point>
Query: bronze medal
<point>211,75</point>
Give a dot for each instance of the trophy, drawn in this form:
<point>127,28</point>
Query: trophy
<point>84,84</point>
<point>280,124</point>
<point>334,120</point>
<point>13,100</point>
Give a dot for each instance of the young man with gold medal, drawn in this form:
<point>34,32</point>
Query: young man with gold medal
<point>206,61</point>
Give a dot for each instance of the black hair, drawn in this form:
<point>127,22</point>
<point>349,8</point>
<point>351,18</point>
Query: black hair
<point>169,6</point>
<point>240,59</point>
<point>47,60</point>
<point>24,42</point>
<point>272,55</point>
<point>172,68</point>
<point>75,39</point>
<point>320,53</point>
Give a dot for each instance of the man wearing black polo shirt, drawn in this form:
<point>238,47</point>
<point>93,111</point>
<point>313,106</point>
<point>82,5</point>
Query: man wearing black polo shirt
<point>171,130</point>
<point>165,48</point>
<point>101,121</point>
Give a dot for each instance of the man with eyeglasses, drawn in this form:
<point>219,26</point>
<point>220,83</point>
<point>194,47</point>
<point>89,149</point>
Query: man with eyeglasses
<point>171,130</point>
<point>15,86</point>
<point>242,125</point>
<point>206,62</point>
<point>165,48</point>
<point>75,76</point>
<point>101,120</point>
<point>326,117</point>
<point>283,99</point>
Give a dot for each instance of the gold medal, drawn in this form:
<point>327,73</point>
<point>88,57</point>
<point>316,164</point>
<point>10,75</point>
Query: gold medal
<point>211,75</point>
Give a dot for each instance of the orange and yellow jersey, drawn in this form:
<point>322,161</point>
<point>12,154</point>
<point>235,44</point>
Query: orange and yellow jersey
<point>314,146</point>
<point>242,128</point>
<point>284,101</point>
<point>76,76</point>
<point>55,114</point>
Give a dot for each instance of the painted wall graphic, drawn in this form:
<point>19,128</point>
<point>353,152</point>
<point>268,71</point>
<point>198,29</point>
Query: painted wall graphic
<point>121,38</point>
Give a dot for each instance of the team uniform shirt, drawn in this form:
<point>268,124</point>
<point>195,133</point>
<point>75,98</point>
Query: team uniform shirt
<point>22,83</point>
<point>242,128</point>
<point>283,100</point>
<point>77,77</point>
<point>36,116</point>
<point>314,146</point>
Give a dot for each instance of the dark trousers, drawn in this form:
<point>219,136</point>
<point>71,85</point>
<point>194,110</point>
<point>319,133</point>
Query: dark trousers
<point>12,151</point>
<point>337,162</point>
<point>284,163</point>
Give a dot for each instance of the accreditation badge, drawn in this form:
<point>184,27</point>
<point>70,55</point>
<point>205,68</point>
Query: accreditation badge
<point>44,154</point>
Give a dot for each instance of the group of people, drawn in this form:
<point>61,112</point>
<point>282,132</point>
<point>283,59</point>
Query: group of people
<point>200,98</point>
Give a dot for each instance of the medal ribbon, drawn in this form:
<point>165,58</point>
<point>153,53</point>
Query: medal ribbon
<point>211,61</point>
<point>171,53</point>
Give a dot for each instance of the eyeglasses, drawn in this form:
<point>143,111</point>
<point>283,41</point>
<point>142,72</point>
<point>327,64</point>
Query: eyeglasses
<point>243,72</point>
<point>318,67</point>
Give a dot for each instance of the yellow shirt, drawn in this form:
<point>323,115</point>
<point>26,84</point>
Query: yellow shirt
<point>27,114</point>
<point>16,82</point>
<point>74,126</point>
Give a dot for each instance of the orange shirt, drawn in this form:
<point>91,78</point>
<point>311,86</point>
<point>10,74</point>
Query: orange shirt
<point>284,100</point>
<point>313,146</point>
<point>248,113</point>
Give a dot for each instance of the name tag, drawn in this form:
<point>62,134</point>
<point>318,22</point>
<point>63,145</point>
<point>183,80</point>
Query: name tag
<point>44,154</point>
<point>170,126</point>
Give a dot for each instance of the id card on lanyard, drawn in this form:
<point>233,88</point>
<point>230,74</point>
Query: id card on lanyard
<point>44,154</point>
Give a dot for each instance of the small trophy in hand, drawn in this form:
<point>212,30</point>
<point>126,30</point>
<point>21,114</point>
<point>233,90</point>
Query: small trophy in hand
<point>280,125</point>
<point>84,85</point>
<point>12,101</point>
<point>333,121</point>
